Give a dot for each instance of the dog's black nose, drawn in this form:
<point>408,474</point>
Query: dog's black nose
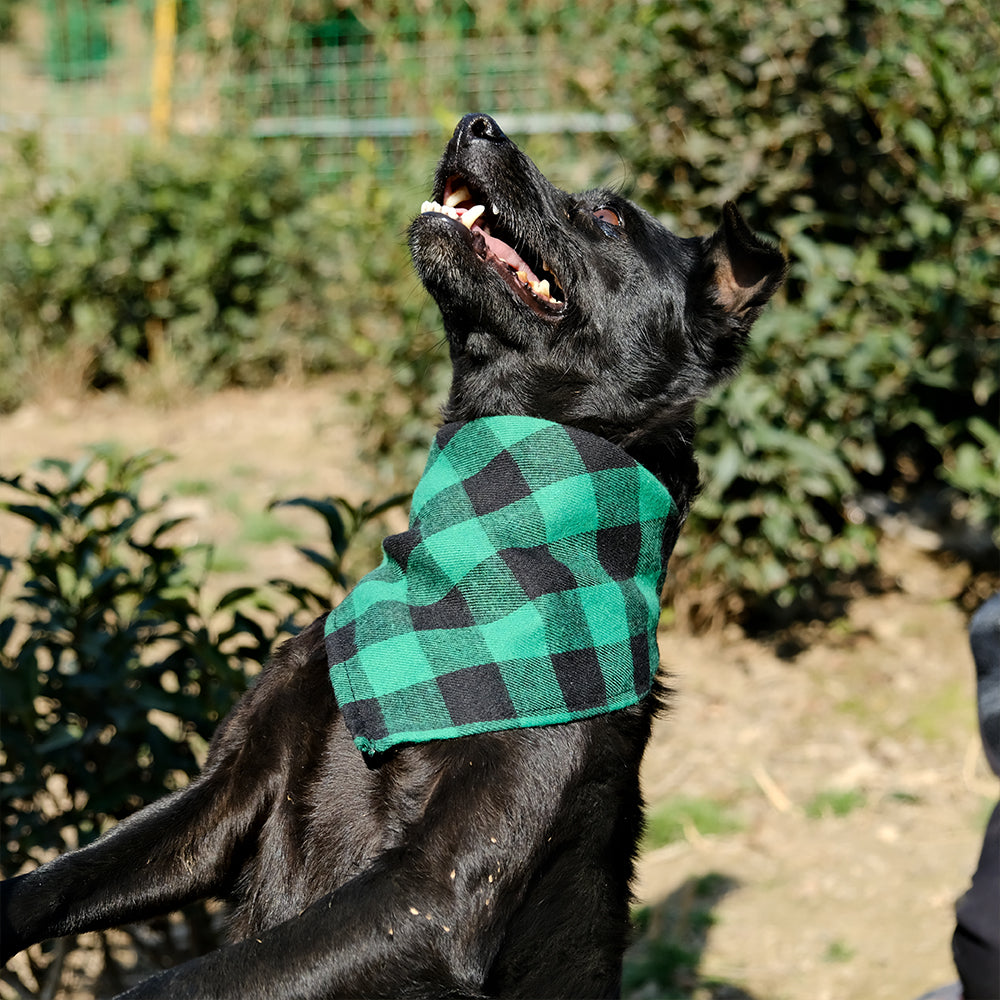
<point>478,126</point>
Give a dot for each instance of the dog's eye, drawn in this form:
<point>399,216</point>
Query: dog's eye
<point>608,215</point>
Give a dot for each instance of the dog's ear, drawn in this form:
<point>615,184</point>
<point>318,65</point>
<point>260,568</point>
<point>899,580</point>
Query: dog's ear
<point>745,270</point>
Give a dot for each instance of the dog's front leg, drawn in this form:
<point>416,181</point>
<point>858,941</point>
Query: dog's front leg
<point>168,854</point>
<point>185,846</point>
<point>364,940</point>
<point>428,917</point>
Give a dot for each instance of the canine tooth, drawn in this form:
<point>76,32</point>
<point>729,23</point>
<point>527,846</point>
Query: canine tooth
<point>457,197</point>
<point>495,208</point>
<point>470,216</point>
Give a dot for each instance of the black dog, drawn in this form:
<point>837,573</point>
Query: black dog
<point>497,862</point>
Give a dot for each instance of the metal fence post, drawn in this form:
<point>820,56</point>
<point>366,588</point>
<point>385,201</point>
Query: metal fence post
<point>164,37</point>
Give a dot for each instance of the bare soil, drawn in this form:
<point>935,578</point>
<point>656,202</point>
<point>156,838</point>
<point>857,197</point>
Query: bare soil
<point>849,771</point>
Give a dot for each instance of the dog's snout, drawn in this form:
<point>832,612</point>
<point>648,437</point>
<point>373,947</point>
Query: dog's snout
<point>479,126</point>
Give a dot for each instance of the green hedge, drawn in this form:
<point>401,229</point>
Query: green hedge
<point>214,258</point>
<point>866,136</point>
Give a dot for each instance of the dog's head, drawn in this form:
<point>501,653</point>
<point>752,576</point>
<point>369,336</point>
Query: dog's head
<point>581,308</point>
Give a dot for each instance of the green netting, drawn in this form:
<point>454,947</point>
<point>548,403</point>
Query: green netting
<point>340,82</point>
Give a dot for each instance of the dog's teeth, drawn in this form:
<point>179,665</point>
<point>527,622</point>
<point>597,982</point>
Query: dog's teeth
<point>457,197</point>
<point>495,208</point>
<point>433,206</point>
<point>541,289</point>
<point>470,215</point>
<point>522,276</point>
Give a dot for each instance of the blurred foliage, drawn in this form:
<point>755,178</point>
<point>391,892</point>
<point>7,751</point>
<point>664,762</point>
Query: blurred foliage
<point>212,259</point>
<point>7,20</point>
<point>866,135</point>
<point>344,522</point>
<point>78,39</point>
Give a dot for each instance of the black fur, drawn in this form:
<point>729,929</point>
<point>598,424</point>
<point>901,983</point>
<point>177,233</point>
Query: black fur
<point>492,865</point>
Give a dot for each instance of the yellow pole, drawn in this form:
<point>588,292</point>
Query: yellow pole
<point>164,35</point>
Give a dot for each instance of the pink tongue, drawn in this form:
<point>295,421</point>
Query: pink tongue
<point>508,255</point>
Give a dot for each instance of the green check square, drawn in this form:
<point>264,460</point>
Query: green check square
<point>453,552</point>
<point>604,607</point>
<point>568,505</point>
<point>533,686</point>
<point>421,700</point>
<point>393,663</point>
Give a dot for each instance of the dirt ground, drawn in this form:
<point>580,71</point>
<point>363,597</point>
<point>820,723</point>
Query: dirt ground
<point>850,773</point>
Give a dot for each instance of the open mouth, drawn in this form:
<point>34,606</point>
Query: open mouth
<point>524,271</point>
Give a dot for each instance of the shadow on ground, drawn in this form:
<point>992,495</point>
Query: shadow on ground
<point>665,961</point>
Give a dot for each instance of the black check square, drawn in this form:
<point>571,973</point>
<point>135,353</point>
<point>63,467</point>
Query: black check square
<point>495,486</point>
<point>476,694</point>
<point>597,454</point>
<point>580,678</point>
<point>538,571</point>
<point>451,612</point>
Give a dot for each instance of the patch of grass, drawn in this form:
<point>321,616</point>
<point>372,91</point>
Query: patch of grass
<point>835,802</point>
<point>228,559</point>
<point>664,966</point>
<point>984,814</point>
<point>676,818</point>
<point>943,713</point>
<point>666,958</point>
<point>712,886</point>
<point>838,951</point>
<point>192,487</point>
<point>233,502</point>
<point>263,528</point>
<point>948,710</point>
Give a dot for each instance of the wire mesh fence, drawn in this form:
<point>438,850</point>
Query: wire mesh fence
<point>348,85</point>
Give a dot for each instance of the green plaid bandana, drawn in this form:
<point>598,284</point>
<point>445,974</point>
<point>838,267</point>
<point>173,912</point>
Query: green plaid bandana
<point>526,591</point>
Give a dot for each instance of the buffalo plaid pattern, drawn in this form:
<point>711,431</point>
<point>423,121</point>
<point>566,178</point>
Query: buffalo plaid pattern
<point>526,591</point>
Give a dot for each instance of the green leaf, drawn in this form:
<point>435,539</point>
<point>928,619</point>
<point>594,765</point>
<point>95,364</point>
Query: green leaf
<point>37,515</point>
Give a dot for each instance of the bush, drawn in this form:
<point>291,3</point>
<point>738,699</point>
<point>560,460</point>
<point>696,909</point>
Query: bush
<point>213,258</point>
<point>867,136</point>
<point>115,667</point>
<point>112,677</point>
